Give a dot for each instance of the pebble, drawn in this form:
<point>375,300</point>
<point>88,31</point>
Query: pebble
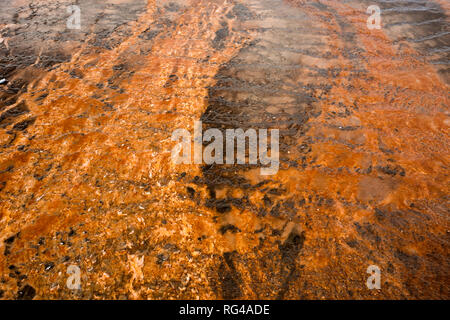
<point>3,81</point>
<point>49,266</point>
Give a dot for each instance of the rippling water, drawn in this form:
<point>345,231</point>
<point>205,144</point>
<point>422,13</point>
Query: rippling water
<point>85,170</point>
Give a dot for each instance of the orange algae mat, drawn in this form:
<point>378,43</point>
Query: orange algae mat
<point>86,176</point>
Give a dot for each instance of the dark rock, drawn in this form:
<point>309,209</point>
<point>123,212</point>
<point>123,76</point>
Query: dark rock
<point>223,206</point>
<point>191,191</point>
<point>49,266</point>
<point>71,233</point>
<point>26,293</point>
<point>229,227</point>
<point>21,126</point>
<point>8,243</point>
<point>219,41</point>
<point>42,97</point>
<point>161,258</point>
<point>292,246</point>
<point>5,117</point>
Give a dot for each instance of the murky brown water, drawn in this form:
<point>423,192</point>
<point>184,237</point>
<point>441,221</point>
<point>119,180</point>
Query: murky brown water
<point>85,170</point>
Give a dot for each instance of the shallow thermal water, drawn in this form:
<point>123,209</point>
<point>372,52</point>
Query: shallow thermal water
<point>86,176</point>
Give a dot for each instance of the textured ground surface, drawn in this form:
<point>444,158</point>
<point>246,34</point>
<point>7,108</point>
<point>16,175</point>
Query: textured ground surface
<point>86,177</point>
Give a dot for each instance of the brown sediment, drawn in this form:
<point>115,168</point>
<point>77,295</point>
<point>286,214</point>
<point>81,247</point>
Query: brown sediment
<point>86,177</point>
